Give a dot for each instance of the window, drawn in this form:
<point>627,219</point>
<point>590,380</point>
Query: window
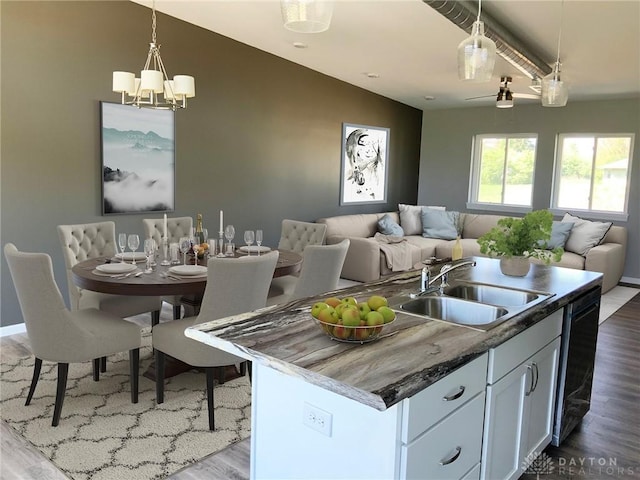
<point>502,170</point>
<point>592,172</point>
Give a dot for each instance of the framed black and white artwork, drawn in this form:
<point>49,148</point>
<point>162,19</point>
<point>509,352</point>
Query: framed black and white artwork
<point>138,159</point>
<point>365,164</point>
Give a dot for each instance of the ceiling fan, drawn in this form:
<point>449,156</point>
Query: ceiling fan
<point>504,97</point>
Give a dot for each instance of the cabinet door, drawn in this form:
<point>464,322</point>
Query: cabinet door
<point>504,416</point>
<point>541,400</point>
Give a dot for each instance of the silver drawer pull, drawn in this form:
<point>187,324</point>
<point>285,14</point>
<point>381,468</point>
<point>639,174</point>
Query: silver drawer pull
<point>454,396</point>
<point>452,458</point>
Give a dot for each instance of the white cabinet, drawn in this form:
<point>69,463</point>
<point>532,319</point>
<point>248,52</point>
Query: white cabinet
<point>441,434</point>
<point>520,398</point>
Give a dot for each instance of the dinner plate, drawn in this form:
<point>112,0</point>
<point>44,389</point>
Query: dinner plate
<point>116,268</point>
<point>137,256</point>
<point>254,248</point>
<point>188,270</point>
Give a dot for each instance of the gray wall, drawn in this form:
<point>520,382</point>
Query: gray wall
<point>261,140</point>
<point>445,158</point>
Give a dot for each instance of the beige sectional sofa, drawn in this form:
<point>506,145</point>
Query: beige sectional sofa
<point>366,261</point>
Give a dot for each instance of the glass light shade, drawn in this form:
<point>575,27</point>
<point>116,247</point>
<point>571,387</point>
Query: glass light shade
<point>184,85</point>
<point>151,81</point>
<point>123,82</point>
<point>306,16</point>
<point>476,55</point>
<point>555,92</point>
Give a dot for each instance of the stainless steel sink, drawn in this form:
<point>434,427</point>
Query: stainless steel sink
<point>454,310</point>
<point>502,297</point>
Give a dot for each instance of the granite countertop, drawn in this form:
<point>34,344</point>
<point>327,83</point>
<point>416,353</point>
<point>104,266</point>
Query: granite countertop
<point>412,352</point>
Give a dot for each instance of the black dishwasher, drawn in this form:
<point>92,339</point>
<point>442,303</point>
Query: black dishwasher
<point>577,359</point>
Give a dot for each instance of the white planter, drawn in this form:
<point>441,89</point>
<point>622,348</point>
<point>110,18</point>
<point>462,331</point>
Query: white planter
<point>514,266</point>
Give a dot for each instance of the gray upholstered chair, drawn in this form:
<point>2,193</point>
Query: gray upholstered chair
<point>234,285</point>
<point>320,272</point>
<point>62,336</point>
<point>177,227</point>
<point>296,235</point>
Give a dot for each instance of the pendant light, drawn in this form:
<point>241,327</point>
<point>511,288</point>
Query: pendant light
<point>476,54</point>
<point>306,16</point>
<point>144,92</point>
<point>555,91</point>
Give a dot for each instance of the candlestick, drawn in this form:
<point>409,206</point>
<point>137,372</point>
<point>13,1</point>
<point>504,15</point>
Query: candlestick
<point>221,223</point>
<point>164,233</point>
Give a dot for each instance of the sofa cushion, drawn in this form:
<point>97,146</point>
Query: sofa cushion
<point>474,225</point>
<point>568,260</point>
<point>439,224</point>
<point>426,246</point>
<point>363,225</point>
<point>585,234</point>
<point>470,247</point>
<point>410,218</point>
<point>387,226</point>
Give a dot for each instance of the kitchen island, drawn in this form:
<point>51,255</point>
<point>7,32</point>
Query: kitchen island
<point>325,409</point>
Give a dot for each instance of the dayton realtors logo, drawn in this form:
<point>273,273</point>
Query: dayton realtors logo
<point>542,464</point>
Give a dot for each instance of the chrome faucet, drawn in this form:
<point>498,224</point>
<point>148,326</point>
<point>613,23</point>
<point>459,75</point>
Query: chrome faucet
<point>426,280</point>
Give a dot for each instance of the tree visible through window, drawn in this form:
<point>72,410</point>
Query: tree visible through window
<point>503,169</point>
<point>592,172</point>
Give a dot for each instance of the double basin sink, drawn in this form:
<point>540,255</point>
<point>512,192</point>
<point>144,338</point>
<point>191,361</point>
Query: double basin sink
<point>476,305</point>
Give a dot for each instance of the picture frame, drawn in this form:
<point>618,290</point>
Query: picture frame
<point>138,159</point>
<point>364,164</point>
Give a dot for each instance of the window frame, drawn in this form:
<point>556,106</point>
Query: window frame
<point>556,179</point>
<point>474,175</point>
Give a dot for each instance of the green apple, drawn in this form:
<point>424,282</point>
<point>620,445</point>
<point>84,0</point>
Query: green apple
<point>315,309</point>
<point>376,301</point>
<point>363,308</point>
<point>333,301</point>
<point>339,331</point>
<point>387,314</point>
<point>350,317</point>
<point>362,333</point>
<point>374,319</point>
<point>350,300</point>
<point>328,315</point>
<point>340,307</point>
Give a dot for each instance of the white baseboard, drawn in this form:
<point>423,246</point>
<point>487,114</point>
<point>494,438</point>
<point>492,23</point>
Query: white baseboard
<point>632,280</point>
<point>12,329</point>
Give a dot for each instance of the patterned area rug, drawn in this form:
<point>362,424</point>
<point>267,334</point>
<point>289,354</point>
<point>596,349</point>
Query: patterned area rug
<point>102,435</point>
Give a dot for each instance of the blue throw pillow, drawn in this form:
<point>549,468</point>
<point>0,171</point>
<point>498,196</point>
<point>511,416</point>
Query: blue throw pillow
<point>387,226</point>
<point>560,232</point>
<point>439,224</point>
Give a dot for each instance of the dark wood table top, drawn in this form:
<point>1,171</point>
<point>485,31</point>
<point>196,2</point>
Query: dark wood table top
<point>157,283</point>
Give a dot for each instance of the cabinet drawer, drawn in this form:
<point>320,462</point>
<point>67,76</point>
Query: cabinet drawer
<point>513,352</point>
<point>450,449</point>
<point>428,407</point>
<point>474,474</point>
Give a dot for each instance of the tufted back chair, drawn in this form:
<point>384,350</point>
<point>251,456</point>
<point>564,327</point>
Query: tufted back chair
<point>296,235</point>
<point>177,226</point>
<point>83,241</point>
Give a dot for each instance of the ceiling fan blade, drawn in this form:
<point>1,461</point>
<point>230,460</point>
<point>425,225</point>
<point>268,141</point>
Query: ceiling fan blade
<point>482,96</point>
<point>526,95</point>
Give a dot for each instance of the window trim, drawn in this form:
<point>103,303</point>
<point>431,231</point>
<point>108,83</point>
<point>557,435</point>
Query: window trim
<point>474,175</point>
<point>555,180</point>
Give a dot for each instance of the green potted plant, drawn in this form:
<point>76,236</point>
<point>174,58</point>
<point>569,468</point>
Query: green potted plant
<point>516,240</point>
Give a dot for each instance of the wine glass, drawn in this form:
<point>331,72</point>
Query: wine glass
<point>149,251</point>
<point>229,233</point>
<point>249,237</point>
<point>196,250</point>
<point>122,243</point>
<point>258,240</point>
<point>185,245</point>
<point>133,240</point>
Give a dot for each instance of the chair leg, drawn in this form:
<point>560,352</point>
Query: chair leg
<point>155,318</point>
<point>221,374</point>
<point>177,310</point>
<point>103,364</point>
<point>34,379</point>
<point>63,372</point>
<point>159,361</point>
<point>249,368</point>
<point>134,370</point>
<point>97,365</point>
<point>210,381</point>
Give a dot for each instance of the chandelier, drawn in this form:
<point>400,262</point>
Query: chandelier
<point>154,89</point>
<point>306,16</point>
<point>555,92</point>
<point>476,54</point>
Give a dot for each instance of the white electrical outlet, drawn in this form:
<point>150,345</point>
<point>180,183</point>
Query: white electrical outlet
<point>317,419</point>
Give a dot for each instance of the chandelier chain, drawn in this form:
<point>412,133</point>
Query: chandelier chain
<point>479,9</point>
<point>560,30</point>
<point>153,22</point>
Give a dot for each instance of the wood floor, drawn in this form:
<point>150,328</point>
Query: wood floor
<point>609,434</point>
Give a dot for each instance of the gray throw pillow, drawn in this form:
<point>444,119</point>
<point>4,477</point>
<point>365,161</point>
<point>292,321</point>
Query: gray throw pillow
<point>439,224</point>
<point>585,234</point>
<point>560,232</point>
<point>410,217</point>
<point>387,226</point>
